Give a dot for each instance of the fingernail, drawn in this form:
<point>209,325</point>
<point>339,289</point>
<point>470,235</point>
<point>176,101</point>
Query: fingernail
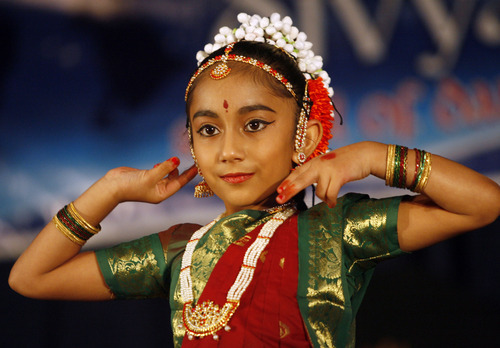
<point>156,165</point>
<point>281,197</point>
<point>175,161</point>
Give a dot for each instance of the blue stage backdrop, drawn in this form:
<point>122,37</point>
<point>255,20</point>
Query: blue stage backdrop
<point>81,93</point>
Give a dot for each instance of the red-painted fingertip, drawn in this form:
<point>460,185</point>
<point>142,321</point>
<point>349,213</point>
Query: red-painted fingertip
<point>156,165</point>
<point>175,161</point>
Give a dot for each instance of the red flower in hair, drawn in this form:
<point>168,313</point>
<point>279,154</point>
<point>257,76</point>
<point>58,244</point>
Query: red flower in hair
<point>322,110</point>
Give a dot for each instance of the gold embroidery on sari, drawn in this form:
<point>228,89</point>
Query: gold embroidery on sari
<point>284,330</point>
<point>131,262</point>
<point>243,240</point>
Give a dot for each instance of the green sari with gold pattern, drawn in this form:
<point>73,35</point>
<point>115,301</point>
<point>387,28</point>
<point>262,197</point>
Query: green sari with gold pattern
<point>338,250</point>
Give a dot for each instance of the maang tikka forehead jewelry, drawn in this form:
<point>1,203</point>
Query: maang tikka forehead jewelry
<point>222,70</point>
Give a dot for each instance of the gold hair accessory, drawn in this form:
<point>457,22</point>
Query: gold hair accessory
<point>222,70</point>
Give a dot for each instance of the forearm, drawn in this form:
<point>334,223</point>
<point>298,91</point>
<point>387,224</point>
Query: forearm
<point>454,200</point>
<point>51,249</point>
<point>451,186</point>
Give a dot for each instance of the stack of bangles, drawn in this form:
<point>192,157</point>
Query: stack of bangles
<point>397,164</point>
<point>73,225</point>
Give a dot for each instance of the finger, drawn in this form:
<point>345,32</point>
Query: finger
<point>164,168</point>
<point>178,181</point>
<point>290,179</point>
<point>295,185</point>
<point>327,190</point>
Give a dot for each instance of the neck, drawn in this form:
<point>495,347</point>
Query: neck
<point>268,204</point>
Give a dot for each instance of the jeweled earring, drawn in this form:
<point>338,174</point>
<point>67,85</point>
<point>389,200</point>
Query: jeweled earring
<point>300,136</point>
<point>201,189</point>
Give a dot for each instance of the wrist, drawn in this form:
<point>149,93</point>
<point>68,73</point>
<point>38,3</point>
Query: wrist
<point>98,201</point>
<point>374,156</point>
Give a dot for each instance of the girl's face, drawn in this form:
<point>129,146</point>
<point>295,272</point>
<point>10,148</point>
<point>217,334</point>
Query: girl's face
<point>243,139</point>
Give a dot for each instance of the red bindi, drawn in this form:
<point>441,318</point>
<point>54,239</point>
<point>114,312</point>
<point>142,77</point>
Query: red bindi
<point>226,105</point>
<point>328,156</point>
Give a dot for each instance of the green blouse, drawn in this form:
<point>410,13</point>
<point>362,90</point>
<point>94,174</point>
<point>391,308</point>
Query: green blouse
<point>338,250</point>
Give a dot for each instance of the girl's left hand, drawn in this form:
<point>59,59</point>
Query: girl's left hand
<point>330,172</point>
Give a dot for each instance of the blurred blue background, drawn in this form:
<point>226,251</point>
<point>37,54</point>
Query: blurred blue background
<point>86,86</point>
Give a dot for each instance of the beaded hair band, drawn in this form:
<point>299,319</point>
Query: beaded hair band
<point>222,70</point>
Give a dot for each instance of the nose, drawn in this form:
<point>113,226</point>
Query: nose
<point>232,147</point>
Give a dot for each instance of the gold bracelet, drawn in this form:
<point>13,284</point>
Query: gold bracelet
<point>81,220</point>
<point>425,174</point>
<point>389,169</point>
<point>61,227</point>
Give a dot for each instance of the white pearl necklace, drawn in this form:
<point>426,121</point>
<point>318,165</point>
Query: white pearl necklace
<point>207,318</point>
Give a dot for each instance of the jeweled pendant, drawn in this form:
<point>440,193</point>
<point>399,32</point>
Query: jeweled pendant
<point>302,157</point>
<point>220,71</point>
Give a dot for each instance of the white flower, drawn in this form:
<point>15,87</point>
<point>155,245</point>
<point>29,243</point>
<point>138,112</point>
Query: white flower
<point>208,48</point>
<point>270,30</point>
<point>275,17</point>
<point>264,22</point>
<point>280,43</point>
<point>220,38</point>
<point>250,37</point>
<point>288,48</point>
<point>201,55</point>
<point>287,20</point>
<point>259,32</point>
<point>239,34</point>
<point>243,18</point>
<point>225,31</point>
<point>278,35</point>
<point>301,36</point>
<point>254,21</point>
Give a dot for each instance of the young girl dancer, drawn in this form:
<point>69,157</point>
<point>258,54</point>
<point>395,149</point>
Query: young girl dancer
<point>268,271</point>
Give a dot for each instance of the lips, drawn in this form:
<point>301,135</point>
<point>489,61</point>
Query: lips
<point>236,178</point>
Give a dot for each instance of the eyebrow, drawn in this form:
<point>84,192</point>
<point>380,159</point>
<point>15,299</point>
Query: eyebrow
<point>206,113</point>
<point>241,111</point>
<point>250,108</point>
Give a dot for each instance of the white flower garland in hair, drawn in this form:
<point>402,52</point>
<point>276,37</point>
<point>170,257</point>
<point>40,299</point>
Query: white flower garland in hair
<point>277,32</point>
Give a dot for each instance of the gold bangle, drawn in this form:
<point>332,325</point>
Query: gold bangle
<point>389,170</point>
<point>66,232</point>
<point>425,174</point>
<point>81,220</point>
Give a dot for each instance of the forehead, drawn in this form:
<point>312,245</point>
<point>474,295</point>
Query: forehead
<point>238,88</point>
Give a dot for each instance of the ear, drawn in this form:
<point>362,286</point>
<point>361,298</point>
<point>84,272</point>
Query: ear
<point>314,133</point>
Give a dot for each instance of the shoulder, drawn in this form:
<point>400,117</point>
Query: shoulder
<point>179,233</point>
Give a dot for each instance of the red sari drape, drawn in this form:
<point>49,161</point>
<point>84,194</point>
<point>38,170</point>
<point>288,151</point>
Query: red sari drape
<point>268,314</point>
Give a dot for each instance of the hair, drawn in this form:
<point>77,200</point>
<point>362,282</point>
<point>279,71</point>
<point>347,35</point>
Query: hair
<point>276,58</point>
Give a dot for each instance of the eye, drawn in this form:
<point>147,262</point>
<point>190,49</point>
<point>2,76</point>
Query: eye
<point>208,130</point>
<point>256,125</point>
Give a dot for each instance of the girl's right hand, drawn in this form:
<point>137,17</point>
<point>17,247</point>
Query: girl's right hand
<point>150,185</point>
